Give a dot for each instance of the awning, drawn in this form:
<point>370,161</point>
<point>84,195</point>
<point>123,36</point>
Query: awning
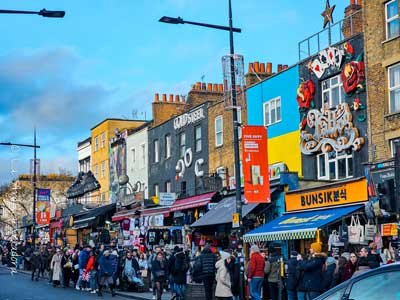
<point>92,214</point>
<point>81,225</point>
<point>192,202</point>
<point>124,215</point>
<point>156,211</point>
<point>300,225</point>
<point>222,212</point>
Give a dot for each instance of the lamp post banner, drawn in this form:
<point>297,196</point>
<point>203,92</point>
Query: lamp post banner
<point>42,206</point>
<point>255,164</point>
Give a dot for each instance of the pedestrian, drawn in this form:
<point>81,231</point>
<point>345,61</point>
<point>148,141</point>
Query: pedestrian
<point>35,265</point>
<point>234,272</point>
<point>388,252</point>
<point>43,261</point>
<point>66,268</point>
<point>91,271</point>
<point>310,285</point>
<point>223,288</point>
<point>292,276</point>
<point>130,270</point>
<point>206,264</point>
<point>374,258</point>
<point>56,267</point>
<point>152,258</point>
<point>271,271</point>
<point>256,272</point>
<point>328,274</point>
<point>159,269</point>
<point>363,264</point>
<point>179,269</point>
<point>106,273</point>
<point>339,271</point>
<point>82,260</point>
<point>51,252</point>
<point>75,264</point>
<point>171,264</point>
<point>351,267</point>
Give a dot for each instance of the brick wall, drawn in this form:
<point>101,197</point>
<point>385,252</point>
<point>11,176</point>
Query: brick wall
<point>202,92</point>
<point>164,109</point>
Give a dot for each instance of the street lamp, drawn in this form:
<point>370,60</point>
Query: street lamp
<point>34,146</point>
<point>44,13</point>
<point>231,29</point>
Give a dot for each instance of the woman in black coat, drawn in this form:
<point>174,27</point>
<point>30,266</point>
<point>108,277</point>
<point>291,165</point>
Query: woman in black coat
<point>179,270</point>
<point>159,269</point>
<point>328,274</point>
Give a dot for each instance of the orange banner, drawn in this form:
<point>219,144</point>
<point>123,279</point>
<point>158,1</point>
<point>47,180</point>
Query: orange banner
<point>255,164</point>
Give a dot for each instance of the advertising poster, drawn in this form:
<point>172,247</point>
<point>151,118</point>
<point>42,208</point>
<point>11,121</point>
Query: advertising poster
<point>255,164</point>
<point>42,206</point>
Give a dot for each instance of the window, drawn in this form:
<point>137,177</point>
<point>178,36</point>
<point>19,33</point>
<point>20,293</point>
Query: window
<point>168,186</point>
<point>168,146</point>
<point>183,188</point>
<point>96,171</point>
<point>335,165</point>
<point>197,138</point>
<point>156,156</point>
<point>332,92</point>
<point>103,169</point>
<point>103,198</point>
<point>380,286</point>
<point>221,172</point>
<point>182,144</point>
<point>144,156</point>
<point>239,120</point>
<point>393,145</point>
<point>156,190</point>
<point>394,88</point>
<point>103,140</point>
<point>133,155</point>
<point>96,143</point>
<point>392,19</point>
<point>219,131</point>
<point>272,111</point>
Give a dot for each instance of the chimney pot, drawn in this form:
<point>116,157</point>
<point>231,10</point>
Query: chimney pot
<point>209,87</point>
<point>262,67</point>
<point>269,68</point>
<point>176,98</point>
<point>156,97</point>
<point>279,67</point>
<point>164,97</point>
<point>250,68</point>
<point>203,86</point>
<point>221,88</point>
<point>285,67</point>
<point>215,87</point>
<point>198,85</point>
<point>171,98</point>
<point>257,67</point>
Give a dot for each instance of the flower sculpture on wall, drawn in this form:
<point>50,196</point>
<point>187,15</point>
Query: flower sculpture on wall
<point>305,100</point>
<point>353,75</point>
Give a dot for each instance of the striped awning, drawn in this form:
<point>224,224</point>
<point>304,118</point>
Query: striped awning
<point>300,225</point>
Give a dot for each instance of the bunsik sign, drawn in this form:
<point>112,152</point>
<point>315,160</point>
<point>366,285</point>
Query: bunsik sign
<point>346,193</point>
<point>255,164</point>
<point>42,206</point>
<point>189,118</point>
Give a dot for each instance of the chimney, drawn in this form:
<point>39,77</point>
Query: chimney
<point>171,98</point>
<point>203,86</point>
<point>164,97</point>
<point>209,87</point>
<point>156,97</point>
<point>250,68</point>
<point>262,68</point>
<point>221,88</point>
<point>198,85</point>
<point>256,67</point>
<point>164,110</point>
<point>279,68</point>
<point>177,98</point>
<point>269,68</point>
<point>215,87</point>
<point>284,67</point>
<point>352,23</point>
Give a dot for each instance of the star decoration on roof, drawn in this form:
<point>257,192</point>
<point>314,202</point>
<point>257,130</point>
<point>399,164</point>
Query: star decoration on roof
<point>327,13</point>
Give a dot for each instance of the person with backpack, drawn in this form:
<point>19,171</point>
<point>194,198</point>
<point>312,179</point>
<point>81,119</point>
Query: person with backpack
<point>271,271</point>
<point>206,266</point>
<point>178,273</point>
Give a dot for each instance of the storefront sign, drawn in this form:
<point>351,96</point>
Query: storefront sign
<point>186,162</point>
<point>42,206</point>
<point>189,118</point>
<point>275,170</point>
<point>346,193</point>
<point>255,164</point>
<point>389,229</point>
<point>167,199</point>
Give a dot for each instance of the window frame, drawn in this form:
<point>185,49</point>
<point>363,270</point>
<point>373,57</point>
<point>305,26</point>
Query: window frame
<point>391,143</point>
<point>96,171</point>
<point>339,84</point>
<point>328,160</point>
<point>394,88</point>
<point>387,21</point>
<point>144,156</point>
<point>156,190</point>
<point>167,141</point>
<point>268,104</point>
<point>168,186</point>
<point>221,132</point>
<point>96,143</point>
<point>103,169</point>
<point>197,139</point>
<point>156,151</point>
<point>103,140</point>
<point>182,146</point>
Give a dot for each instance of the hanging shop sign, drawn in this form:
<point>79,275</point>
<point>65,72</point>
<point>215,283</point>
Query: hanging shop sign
<point>255,164</point>
<point>389,229</point>
<point>275,170</point>
<point>334,130</point>
<point>189,118</point>
<point>343,194</point>
<point>186,162</point>
<point>167,199</point>
<point>42,206</point>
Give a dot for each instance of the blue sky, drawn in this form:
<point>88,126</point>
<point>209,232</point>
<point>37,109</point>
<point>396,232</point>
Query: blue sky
<point>108,58</point>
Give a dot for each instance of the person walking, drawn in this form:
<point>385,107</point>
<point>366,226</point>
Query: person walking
<point>206,266</point>
<point>159,269</point>
<point>56,267</point>
<point>106,273</point>
<point>351,267</point>
<point>234,272</point>
<point>339,271</point>
<point>178,273</point>
<point>374,258</point>
<point>363,265</point>
<point>292,276</point>
<point>82,260</point>
<point>130,270</point>
<point>271,271</point>
<point>256,272</point>
<point>223,288</point>
<point>66,268</point>
<point>328,274</point>
<point>152,258</point>
<point>91,270</point>
<point>35,265</point>
<point>310,285</point>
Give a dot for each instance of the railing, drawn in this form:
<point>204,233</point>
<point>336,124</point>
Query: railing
<point>331,35</point>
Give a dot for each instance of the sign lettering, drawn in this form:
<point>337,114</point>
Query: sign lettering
<point>189,118</point>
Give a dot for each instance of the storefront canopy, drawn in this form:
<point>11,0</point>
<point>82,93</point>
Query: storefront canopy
<point>222,213</point>
<point>192,202</point>
<point>300,225</point>
<point>92,214</point>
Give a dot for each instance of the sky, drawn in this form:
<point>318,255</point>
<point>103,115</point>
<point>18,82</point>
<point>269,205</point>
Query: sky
<point>106,59</point>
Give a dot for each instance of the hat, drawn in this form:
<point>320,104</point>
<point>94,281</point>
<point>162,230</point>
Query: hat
<point>317,247</point>
<point>224,255</point>
<point>255,248</point>
<point>294,253</point>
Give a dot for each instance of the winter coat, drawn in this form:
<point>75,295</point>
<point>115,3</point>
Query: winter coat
<point>106,266</point>
<point>159,270</point>
<point>36,261</point>
<point>362,266</point>
<point>256,266</point>
<point>311,273</point>
<point>271,269</point>
<point>179,268</point>
<point>90,266</point>
<point>207,262</point>
<point>328,277</point>
<point>349,270</point>
<point>83,259</point>
<point>56,266</point>
<point>234,272</point>
<point>292,274</point>
<point>223,288</point>
<point>374,260</point>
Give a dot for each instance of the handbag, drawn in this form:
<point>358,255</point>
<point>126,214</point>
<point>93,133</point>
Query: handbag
<point>356,231</point>
<point>370,230</point>
<point>144,273</point>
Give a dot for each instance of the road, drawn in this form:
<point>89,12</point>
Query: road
<point>20,287</point>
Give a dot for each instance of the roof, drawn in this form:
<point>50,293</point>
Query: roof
<point>134,130</point>
<point>87,140</point>
<point>116,119</point>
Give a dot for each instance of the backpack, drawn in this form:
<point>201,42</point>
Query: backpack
<point>197,271</point>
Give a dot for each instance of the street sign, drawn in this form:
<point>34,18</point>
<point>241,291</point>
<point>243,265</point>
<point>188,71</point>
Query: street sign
<point>235,220</point>
<point>167,199</point>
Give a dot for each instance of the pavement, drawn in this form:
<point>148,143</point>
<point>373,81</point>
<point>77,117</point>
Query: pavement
<point>18,286</point>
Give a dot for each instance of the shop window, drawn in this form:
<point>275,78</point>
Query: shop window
<point>197,138</point>
<point>103,140</point>
<point>168,186</point>
<point>156,157</point>
<point>392,19</point>
<point>394,88</point>
<point>182,144</point>
<point>133,155</point>
<point>156,190</point>
<point>219,131</point>
<point>393,145</point>
<point>221,172</point>
<point>96,143</point>
<point>272,111</point>
<point>168,146</point>
<point>103,169</point>
<point>144,156</point>
<point>335,165</point>
<point>332,92</point>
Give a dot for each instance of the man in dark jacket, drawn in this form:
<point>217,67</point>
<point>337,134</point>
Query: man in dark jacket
<point>310,285</point>
<point>207,262</point>
<point>178,272</point>
<point>35,264</point>
<point>106,272</point>
<point>292,276</point>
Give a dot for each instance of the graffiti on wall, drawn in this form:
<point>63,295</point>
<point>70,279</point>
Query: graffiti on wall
<point>117,166</point>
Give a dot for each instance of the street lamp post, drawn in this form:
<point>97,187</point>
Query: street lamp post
<point>34,179</point>
<point>231,29</point>
<point>44,13</point>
